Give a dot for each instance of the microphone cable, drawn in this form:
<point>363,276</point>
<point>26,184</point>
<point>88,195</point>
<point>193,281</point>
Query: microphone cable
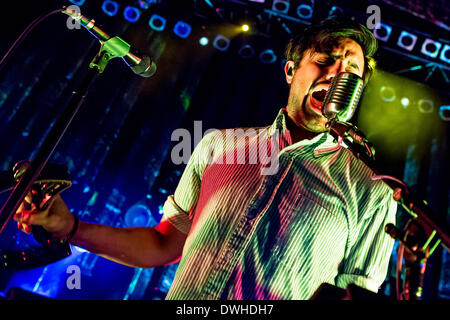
<point>25,34</point>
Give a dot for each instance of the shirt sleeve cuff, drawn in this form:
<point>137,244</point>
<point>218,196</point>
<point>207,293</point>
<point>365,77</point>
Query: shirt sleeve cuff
<point>343,280</point>
<point>176,216</point>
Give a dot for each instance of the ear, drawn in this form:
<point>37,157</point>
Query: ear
<point>289,71</point>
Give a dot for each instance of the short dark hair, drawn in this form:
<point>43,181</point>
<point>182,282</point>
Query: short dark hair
<point>325,35</point>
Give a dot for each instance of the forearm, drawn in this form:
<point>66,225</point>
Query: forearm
<point>135,247</point>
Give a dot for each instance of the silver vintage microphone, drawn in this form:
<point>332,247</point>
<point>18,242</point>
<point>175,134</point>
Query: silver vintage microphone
<point>339,105</point>
<point>342,96</point>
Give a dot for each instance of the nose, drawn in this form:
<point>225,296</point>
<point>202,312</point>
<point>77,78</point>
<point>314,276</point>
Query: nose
<point>334,69</point>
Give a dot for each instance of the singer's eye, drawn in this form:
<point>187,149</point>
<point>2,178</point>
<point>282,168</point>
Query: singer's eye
<point>325,62</point>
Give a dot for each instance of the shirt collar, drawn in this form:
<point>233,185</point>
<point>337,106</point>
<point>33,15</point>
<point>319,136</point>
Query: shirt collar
<point>323,143</point>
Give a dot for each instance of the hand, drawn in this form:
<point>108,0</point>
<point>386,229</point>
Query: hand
<point>56,218</point>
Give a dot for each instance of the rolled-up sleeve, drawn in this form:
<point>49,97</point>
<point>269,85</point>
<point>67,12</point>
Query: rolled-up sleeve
<point>179,207</point>
<point>368,259</point>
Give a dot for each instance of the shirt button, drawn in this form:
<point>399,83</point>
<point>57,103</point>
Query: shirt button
<point>230,255</point>
<point>252,213</point>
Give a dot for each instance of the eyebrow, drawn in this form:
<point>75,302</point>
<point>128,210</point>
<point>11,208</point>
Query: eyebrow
<point>337,57</point>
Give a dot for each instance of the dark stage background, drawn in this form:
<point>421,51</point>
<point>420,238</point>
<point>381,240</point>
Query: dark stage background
<point>118,149</point>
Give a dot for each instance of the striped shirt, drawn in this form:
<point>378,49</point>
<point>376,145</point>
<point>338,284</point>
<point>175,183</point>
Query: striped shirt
<point>251,235</point>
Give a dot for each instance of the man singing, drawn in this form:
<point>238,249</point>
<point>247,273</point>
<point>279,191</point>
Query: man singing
<point>240,234</point>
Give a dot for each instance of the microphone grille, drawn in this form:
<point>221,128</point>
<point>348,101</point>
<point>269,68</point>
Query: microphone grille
<point>342,96</point>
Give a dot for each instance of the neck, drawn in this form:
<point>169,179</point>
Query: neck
<point>299,133</point>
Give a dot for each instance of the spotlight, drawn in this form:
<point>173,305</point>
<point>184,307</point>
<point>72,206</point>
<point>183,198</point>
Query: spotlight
<point>431,48</point>
<point>77,2</point>
<point>382,32</point>
<point>246,51</point>
<point>445,54</point>
<point>387,94</point>
<point>407,40</point>
<point>157,22</point>
<point>245,27</point>
<point>131,14</point>
<point>145,4</point>
<point>110,7</point>
<point>281,6</point>
<point>138,216</point>
<point>305,11</point>
<point>405,102</point>
<point>426,106</point>
<point>267,56</point>
<point>221,43</point>
<point>444,112</point>
<point>182,29</point>
<point>203,41</point>
<point>335,12</point>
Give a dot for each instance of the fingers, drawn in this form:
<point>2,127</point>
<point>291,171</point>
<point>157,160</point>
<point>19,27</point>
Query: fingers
<point>31,217</point>
<point>24,227</point>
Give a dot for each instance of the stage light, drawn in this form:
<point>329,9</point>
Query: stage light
<point>305,11</point>
<point>203,41</point>
<point>445,54</point>
<point>382,32</point>
<point>245,27</point>
<point>425,105</point>
<point>267,56</point>
<point>182,29</point>
<point>405,102</point>
<point>138,216</point>
<point>387,94</point>
<point>431,48</point>
<point>335,11</point>
<point>145,4</point>
<point>77,2</point>
<point>221,43</point>
<point>157,22</point>
<point>246,51</point>
<point>444,113</point>
<point>281,6</point>
<point>131,14</point>
<point>110,7</point>
<point>407,40</point>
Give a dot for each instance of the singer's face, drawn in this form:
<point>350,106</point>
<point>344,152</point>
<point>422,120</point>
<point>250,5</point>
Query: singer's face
<point>309,82</point>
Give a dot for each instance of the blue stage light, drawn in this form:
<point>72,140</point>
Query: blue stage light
<point>182,29</point>
<point>407,40</point>
<point>131,14</point>
<point>445,54</point>
<point>203,41</point>
<point>267,56</point>
<point>157,22</point>
<point>444,113</point>
<point>77,2</point>
<point>221,43</point>
<point>110,7</point>
<point>431,48</point>
<point>246,51</point>
<point>382,32</point>
<point>305,11</point>
<point>138,215</point>
<point>281,6</point>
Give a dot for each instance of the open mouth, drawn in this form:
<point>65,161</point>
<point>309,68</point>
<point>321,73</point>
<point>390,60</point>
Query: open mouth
<point>317,98</point>
<point>319,95</point>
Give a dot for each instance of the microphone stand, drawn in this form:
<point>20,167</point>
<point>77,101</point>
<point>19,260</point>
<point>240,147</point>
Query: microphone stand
<point>421,235</point>
<point>111,48</point>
